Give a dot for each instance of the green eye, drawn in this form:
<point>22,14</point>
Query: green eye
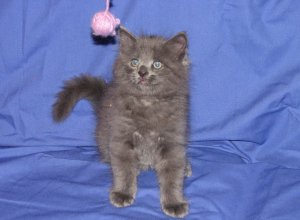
<point>157,65</point>
<point>134,62</point>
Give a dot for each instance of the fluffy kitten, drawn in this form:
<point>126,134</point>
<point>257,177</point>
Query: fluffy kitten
<point>143,115</point>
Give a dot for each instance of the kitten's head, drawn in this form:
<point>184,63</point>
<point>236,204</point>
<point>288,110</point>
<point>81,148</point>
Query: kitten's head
<point>151,64</point>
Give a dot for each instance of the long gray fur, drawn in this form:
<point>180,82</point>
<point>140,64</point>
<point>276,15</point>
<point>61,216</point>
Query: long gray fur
<point>143,115</point>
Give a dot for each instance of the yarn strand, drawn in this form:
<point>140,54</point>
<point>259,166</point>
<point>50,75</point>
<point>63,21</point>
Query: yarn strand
<point>107,5</point>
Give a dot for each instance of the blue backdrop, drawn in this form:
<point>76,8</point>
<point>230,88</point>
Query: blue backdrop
<point>244,142</point>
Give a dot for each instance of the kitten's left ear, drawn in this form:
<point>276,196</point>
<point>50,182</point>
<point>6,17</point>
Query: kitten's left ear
<point>126,38</point>
<point>177,45</point>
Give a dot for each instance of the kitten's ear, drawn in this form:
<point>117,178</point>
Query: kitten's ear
<point>126,38</point>
<point>177,45</point>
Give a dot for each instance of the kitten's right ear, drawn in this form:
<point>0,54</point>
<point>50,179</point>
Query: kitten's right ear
<point>127,39</point>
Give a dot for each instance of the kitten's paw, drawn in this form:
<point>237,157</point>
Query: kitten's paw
<point>177,210</point>
<point>120,199</point>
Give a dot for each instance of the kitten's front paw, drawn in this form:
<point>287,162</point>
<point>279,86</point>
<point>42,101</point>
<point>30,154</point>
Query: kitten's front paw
<point>120,199</point>
<point>177,210</point>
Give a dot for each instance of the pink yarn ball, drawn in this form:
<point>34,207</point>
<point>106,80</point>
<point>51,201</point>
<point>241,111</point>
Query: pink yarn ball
<point>104,24</point>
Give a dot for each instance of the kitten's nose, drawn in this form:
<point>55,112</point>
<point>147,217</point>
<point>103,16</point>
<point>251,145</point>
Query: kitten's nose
<point>143,71</point>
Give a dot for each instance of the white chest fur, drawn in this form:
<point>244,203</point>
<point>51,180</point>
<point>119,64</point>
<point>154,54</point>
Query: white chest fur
<point>147,102</point>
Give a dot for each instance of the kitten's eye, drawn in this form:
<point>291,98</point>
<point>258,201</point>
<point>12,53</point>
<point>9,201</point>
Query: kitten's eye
<point>157,65</point>
<point>134,62</point>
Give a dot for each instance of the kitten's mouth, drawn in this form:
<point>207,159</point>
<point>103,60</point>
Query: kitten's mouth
<point>147,82</point>
<point>143,81</point>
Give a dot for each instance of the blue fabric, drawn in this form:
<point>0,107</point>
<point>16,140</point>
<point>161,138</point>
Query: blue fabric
<point>244,141</point>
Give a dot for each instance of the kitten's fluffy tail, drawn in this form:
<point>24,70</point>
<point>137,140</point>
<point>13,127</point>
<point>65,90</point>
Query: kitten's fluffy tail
<point>81,87</point>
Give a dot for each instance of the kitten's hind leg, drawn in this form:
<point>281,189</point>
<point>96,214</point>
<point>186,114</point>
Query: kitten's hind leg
<point>125,171</point>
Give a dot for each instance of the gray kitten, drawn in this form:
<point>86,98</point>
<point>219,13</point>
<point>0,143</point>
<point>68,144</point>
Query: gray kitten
<point>143,115</point>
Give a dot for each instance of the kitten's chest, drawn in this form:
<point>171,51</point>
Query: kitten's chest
<point>148,110</point>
